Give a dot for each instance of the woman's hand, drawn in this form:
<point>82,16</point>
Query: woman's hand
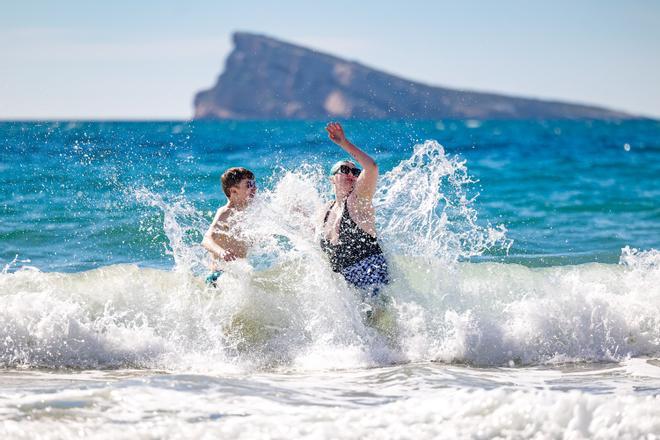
<point>336,133</point>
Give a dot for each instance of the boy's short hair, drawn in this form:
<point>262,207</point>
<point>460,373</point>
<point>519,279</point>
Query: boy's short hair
<point>233,177</point>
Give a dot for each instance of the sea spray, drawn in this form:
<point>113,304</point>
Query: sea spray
<point>183,225</point>
<point>424,208</point>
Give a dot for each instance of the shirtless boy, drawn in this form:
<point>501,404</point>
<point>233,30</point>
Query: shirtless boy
<point>222,240</point>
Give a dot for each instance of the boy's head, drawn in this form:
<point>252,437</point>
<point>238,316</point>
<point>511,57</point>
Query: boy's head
<point>238,184</point>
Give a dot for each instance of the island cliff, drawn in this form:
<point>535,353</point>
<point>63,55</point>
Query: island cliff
<point>266,78</point>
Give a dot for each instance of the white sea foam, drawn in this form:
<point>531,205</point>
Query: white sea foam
<point>487,314</point>
<point>398,402</point>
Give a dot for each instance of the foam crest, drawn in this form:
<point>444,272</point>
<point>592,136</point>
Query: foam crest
<point>497,314</point>
<point>291,316</point>
<point>642,260</point>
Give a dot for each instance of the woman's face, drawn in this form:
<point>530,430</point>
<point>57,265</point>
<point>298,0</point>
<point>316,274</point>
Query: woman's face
<point>344,178</point>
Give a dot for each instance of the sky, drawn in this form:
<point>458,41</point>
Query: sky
<point>146,59</point>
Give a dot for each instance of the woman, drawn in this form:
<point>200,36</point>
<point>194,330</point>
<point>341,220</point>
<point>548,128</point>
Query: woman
<point>349,225</point>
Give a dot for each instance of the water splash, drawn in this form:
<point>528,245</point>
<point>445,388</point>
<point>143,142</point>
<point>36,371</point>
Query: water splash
<point>183,224</point>
<point>422,206</point>
<point>424,209</point>
<point>641,260</point>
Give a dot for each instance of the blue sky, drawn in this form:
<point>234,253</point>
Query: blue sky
<point>146,59</point>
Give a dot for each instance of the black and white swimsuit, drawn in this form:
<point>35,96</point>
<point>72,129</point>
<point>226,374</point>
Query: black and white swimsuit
<point>356,255</point>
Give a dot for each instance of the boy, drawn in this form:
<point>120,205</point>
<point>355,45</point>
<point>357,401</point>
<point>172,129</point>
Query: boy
<point>222,239</point>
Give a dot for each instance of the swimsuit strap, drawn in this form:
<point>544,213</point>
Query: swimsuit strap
<point>346,216</point>
<point>354,228</point>
<point>327,213</point>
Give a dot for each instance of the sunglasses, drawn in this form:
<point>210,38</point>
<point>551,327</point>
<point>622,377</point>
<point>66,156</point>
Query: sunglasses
<point>345,169</point>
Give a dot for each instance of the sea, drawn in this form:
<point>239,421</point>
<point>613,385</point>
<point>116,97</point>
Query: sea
<point>524,302</point>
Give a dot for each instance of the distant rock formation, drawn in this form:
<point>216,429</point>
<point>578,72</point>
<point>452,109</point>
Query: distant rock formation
<point>269,79</point>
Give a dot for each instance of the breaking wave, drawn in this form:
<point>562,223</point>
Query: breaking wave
<point>284,307</point>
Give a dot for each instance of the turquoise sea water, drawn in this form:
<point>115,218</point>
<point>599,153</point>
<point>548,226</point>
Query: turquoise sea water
<point>567,192</point>
<point>524,303</point>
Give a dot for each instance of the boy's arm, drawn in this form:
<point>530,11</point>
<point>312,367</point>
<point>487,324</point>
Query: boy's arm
<point>210,243</point>
<point>222,245</point>
<point>219,241</point>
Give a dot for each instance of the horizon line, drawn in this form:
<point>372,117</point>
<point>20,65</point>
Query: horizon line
<point>147,119</point>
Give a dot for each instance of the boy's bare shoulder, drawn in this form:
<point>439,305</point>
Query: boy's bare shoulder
<point>223,214</point>
<point>222,219</point>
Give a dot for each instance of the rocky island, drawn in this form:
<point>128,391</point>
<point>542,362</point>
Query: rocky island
<point>265,78</point>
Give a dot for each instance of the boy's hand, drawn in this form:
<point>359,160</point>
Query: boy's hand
<point>229,256</point>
